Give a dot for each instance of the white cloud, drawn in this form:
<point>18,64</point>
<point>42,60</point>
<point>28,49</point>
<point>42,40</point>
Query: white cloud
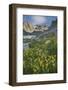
<point>38,19</point>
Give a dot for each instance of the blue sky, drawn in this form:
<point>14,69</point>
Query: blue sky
<point>36,19</point>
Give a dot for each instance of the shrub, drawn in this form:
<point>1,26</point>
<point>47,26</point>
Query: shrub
<point>41,56</point>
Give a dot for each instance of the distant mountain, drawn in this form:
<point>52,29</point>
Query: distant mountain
<point>40,30</point>
<point>53,24</point>
<point>29,28</point>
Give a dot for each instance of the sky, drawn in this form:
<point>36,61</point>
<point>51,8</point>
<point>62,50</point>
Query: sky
<point>36,19</point>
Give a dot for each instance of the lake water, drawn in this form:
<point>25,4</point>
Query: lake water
<point>25,45</point>
<point>29,36</point>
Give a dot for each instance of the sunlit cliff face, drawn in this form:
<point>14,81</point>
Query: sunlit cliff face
<point>28,27</point>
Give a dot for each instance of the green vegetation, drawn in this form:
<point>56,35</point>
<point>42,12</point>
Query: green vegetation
<point>41,56</point>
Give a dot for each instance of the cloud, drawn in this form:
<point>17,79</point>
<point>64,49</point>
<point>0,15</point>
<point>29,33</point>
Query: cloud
<point>38,19</point>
